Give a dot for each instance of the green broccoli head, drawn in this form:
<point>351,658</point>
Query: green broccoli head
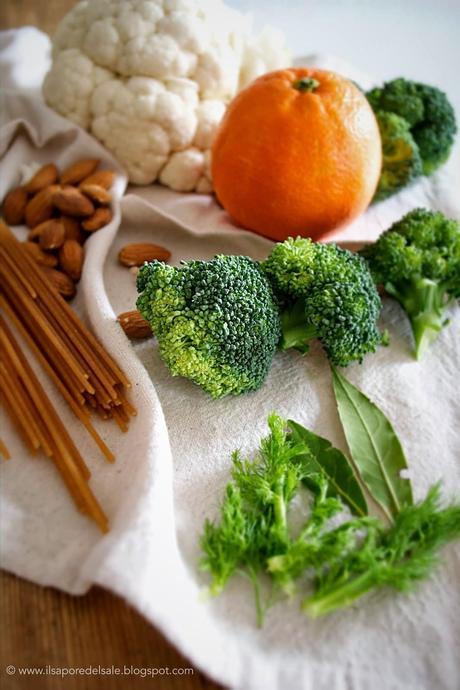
<point>418,261</point>
<point>325,292</point>
<point>428,113</point>
<point>398,96</point>
<point>290,267</point>
<point>401,161</point>
<point>295,266</point>
<point>343,316</point>
<point>436,132</point>
<point>217,322</point>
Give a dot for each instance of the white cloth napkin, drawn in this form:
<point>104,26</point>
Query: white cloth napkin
<point>173,464</point>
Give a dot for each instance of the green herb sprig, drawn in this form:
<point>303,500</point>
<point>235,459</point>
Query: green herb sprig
<point>331,557</point>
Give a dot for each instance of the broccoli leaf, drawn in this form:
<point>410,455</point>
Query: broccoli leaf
<point>374,447</point>
<point>331,462</point>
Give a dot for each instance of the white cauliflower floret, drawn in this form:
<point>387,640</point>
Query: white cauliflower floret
<point>126,121</point>
<point>209,114</point>
<point>262,54</point>
<point>152,78</point>
<point>186,89</point>
<point>183,170</point>
<point>70,83</point>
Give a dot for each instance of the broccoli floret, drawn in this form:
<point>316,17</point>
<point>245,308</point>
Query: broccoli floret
<point>401,161</point>
<point>398,96</point>
<point>435,134</point>
<point>430,117</point>
<point>217,322</point>
<point>327,293</point>
<point>418,261</point>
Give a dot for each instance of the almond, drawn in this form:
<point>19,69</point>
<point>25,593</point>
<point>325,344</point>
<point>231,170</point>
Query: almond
<point>103,178</point>
<point>52,234</point>
<point>47,175</point>
<point>40,207</point>
<point>41,257</point>
<point>14,206</point>
<point>72,202</point>
<point>60,281</point>
<point>96,193</point>
<point>134,325</point>
<point>35,233</point>
<point>78,171</point>
<point>138,254</point>
<point>73,229</point>
<point>100,217</point>
<point>71,259</point>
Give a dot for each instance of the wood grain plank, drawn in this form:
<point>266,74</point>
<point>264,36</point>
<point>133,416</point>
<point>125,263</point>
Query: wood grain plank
<point>44,14</point>
<point>42,627</point>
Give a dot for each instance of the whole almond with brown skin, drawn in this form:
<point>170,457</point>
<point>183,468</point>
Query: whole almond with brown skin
<point>78,171</point>
<point>134,325</point>
<point>138,254</point>
<point>73,229</point>
<point>96,193</point>
<point>71,259</point>
<point>72,202</point>
<point>35,233</point>
<point>14,206</point>
<point>40,207</point>
<point>60,281</point>
<point>100,217</point>
<point>42,258</point>
<point>47,175</point>
<point>103,178</point>
<point>52,235</point>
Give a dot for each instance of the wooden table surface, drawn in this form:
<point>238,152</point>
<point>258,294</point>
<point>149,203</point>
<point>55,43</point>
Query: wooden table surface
<point>43,627</point>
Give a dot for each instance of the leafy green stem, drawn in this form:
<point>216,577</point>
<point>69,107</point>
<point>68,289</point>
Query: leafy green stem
<point>339,596</point>
<point>279,506</point>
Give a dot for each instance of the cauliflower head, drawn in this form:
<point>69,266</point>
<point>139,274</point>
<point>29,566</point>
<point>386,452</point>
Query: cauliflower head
<point>151,80</point>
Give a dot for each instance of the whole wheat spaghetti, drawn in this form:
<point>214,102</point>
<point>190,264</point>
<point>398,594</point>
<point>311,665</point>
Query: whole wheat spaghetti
<point>85,374</point>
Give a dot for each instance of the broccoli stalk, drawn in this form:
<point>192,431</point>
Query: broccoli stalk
<point>295,331</point>
<point>425,302</point>
<point>417,260</point>
<point>326,293</point>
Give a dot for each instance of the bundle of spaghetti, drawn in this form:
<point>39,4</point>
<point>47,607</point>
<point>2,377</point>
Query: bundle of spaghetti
<point>81,369</point>
<point>85,374</point>
<point>38,423</point>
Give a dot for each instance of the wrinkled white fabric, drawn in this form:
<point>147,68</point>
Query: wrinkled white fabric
<point>173,464</point>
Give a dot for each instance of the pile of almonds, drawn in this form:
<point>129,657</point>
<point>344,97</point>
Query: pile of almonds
<point>61,210</point>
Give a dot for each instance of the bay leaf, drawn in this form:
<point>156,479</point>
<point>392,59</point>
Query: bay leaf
<point>374,447</point>
<point>331,462</point>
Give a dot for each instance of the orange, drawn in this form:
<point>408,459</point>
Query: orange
<point>298,152</point>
